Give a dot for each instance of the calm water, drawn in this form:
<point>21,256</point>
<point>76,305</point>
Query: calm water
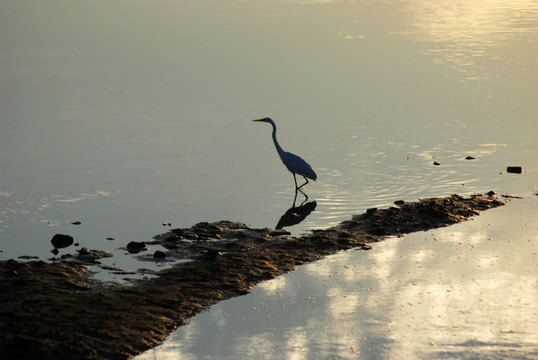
<point>463,292</point>
<point>124,115</point>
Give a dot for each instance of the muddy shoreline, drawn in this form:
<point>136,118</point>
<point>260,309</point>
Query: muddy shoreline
<point>57,311</point>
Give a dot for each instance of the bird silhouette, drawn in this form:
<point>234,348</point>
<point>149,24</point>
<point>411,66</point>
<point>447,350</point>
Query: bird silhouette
<point>294,163</point>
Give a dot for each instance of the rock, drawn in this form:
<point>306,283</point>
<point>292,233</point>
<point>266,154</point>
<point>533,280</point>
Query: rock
<point>399,202</point>
<point>135,247</point>
<point>84,251</point>
<point>490,193</point>
<point>470,158</point>
<point>212,254</point>
<point>54,251</point>
<point>61,241</point>
<point>110,238</point>
<point>159,254</point>
<point>28,257</point>
<point>371,210</point>
<point>436,163</point>
<point>76,223</point>
<point>514,169</point>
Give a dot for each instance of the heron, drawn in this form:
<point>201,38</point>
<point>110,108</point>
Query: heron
<point>294,163</point>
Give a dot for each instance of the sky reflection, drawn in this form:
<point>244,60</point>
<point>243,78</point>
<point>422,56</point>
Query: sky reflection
<point>460,291</point>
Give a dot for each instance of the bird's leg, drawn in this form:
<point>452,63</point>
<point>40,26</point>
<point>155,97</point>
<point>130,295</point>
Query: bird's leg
<point>295,198</point>
<point>303,184</point>
<point>295,179</point>
<point>304,194</point>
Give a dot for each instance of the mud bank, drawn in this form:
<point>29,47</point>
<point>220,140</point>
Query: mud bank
<point>56,311</point>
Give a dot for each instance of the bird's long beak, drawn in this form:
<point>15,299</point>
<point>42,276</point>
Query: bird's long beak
<point>259,119</point>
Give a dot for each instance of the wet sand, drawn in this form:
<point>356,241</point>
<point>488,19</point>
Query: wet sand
<point>57,311</point>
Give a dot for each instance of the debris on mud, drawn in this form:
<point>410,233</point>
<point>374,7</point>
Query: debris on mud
<point>57,311</point>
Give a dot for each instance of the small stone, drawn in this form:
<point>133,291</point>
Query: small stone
<point>371,210</point>
<point>61,241</point>
<point>212,254</point>
<point>135,247</point>
<point>399,202</point>
<point>491,193</point>
<point>54,251</point>
<point>514,169</point>
<point>436,163</point>
<point>159,254</point>
<point>110,238</point>
<point>470,158</point>
<point>84,251</point>
<point>76,223</point>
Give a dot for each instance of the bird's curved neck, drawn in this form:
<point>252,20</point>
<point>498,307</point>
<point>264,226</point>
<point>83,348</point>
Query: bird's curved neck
<point>277,145</point>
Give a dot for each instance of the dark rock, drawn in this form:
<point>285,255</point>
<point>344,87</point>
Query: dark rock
<point>159,254</point>
<point>135,247</point>
<point>28,257</point>
<point>76,223</point>
<point>508,196</point>
<point>371,210</point>
<point>470,158</point>
<point>61,241</point>
<point>84,251</point>
<point>491,193</point>
<point>212,254</point>
<point>399,202</point>
<point>110,238</point>
<point>55,251</point>
<point>514,169</point>
<point>436,163</point>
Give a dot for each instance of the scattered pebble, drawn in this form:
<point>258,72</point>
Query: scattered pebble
<point>436,163</point>
<point>76,223</point>
<point>135,247</point>
<point>61,241</point>
<point>470,158</point>
<point>84,251</point>
<point>514,169</point>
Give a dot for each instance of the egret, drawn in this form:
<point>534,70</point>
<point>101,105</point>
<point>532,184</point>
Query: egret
<point>294,163</point>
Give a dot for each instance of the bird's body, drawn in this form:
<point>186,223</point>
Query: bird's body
<point>294,163</point>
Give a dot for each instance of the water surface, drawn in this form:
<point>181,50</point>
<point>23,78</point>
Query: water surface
<point>126,115</point>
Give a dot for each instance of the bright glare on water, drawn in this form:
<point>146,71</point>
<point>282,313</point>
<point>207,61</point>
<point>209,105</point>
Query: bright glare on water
<point>126,115</point>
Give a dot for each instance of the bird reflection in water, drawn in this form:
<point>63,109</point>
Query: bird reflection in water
<point>296,165</point>
<point>296,214</point>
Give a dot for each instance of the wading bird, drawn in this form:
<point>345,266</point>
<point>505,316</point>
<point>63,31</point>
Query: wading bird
<point>294,163</point>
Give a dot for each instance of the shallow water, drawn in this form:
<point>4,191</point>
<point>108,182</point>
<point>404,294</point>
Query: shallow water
<point>463,292</point>
<point>127,115</point>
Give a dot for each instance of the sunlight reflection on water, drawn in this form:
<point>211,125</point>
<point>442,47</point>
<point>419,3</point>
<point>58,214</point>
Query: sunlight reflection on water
<point>462,32</point>
<point>127,115</point>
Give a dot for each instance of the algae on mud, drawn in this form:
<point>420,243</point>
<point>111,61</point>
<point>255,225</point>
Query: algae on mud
<point>52,311</point>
